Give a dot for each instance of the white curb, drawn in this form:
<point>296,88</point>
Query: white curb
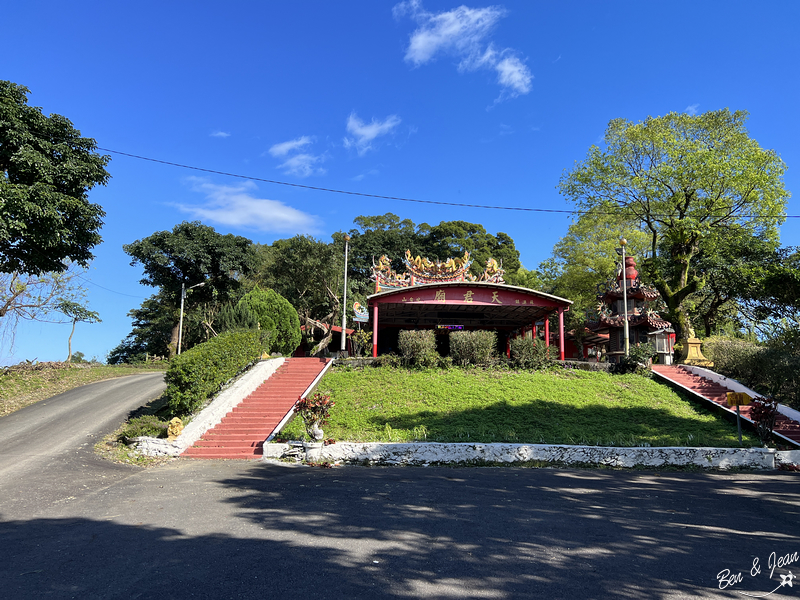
<point>424,454</point>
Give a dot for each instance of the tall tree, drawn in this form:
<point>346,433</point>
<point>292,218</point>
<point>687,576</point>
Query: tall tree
<point>36,297</point>
<point>77,313</point>
<point>153,323</point>
<point>309,274</point>
<point>587,257</point>
<point>46,171</point>
<point>683,177</point>
<point>453,238</point>
<point>190,254</point>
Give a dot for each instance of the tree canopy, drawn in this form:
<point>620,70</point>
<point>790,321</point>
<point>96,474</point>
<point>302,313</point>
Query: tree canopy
<point>190,254</point>
<point>275,315</point>
<point>587,257</point>
<point>46,171</point>
<point>683,178</point>
<point>193,253</point>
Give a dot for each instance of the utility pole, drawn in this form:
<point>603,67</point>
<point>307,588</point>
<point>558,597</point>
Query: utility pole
<point>180,322</point>
<point>623,242</point>
<point>344,300</point>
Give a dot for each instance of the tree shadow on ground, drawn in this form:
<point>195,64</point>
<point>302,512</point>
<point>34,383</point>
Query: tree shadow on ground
<point>547,421</point>
<point>506,532</point>
<point>273,531</point>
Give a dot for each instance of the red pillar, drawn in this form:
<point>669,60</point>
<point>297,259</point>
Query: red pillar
<point>375,331</point>
<point>547,331</point>
<point>561,333</point>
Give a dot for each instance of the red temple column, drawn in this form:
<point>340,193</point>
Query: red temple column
<point>561,333</point>
<point>547,331</point>
<point>375,331</point>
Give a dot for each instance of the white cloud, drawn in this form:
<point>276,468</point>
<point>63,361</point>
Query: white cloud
<point>237,206</point>
<point>285,148</point>
<point>514,76</point>
<point>460,32</point>
<point>365,133</point>
<point>692,109</point>
<point>303,165</point>
<point>361,176</point>
<point>220,134</point>
<point>463,33</point>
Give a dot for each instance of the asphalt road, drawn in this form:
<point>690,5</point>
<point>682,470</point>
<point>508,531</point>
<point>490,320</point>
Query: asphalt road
<point>46,449</point>
<point>235,529</point>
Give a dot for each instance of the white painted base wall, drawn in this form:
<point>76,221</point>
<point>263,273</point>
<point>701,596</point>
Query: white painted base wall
<point>424,454</point>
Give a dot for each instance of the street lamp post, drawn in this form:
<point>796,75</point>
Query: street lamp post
<point>180,321</point>
<point>623,242</point>
<point>344,300</point>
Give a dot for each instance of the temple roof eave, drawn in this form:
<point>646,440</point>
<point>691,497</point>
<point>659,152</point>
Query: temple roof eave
<point>468,284</point>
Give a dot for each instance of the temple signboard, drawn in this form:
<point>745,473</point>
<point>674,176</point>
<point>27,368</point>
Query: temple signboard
<point>465,296</point>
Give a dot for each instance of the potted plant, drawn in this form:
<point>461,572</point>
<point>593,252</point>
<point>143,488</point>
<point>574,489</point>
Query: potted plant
<point>315,412</point>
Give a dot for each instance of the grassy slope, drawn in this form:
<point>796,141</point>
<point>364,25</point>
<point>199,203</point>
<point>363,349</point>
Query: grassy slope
<point>20,387</point>
<point>563,407</point>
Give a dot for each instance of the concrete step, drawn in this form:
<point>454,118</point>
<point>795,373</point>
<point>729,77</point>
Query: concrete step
<point>243,430</point>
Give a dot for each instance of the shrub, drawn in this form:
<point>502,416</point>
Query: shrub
<point>391,361</point>
<point>235,316</point>
<point>763,412</point>
<point>473,347</point>
<point>637,361</point>
<point>736,358</point>
<point>527,353</point>
<point>275,314</point>
<point>362,342</point>
<point>418,348</point>
<point>200,372</point>
<point>772,369</point>
<point>144,426</point>
<point>315,412</point>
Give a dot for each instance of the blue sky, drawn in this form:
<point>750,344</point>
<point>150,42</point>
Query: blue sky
<point>475,104</point>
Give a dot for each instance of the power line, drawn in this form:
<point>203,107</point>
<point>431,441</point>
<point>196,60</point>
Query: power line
<point>382,197</point>
<point>107,289</point>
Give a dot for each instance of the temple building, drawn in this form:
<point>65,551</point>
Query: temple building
<point>445,296</point>
<point>644,323</point>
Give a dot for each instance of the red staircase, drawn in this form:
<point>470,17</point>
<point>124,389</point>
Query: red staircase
<point>242,432</point>
<point>718,394</point>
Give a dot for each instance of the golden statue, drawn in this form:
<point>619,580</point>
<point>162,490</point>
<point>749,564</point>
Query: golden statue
<point>175,428</point>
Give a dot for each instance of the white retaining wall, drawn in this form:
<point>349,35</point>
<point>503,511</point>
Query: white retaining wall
<point>423,454</point>
<point>212,414</point>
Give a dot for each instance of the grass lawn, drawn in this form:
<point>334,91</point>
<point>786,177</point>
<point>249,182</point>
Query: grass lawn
<point>554,407</point>
<point>25,384</point>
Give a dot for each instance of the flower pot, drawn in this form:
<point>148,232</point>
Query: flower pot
<point>313,450</point>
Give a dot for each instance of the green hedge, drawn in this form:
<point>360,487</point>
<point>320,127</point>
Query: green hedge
<point>527,353</point>
<point>772,369</point>
<point>473,347</point>
<point>200,372</point>
<point>418,348</point>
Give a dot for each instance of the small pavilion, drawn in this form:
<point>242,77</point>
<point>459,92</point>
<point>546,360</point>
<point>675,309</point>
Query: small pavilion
<point>446,297</point>
<point>644,322</point>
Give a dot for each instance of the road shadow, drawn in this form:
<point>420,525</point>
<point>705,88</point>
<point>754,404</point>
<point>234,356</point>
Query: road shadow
<point>411,532</point>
